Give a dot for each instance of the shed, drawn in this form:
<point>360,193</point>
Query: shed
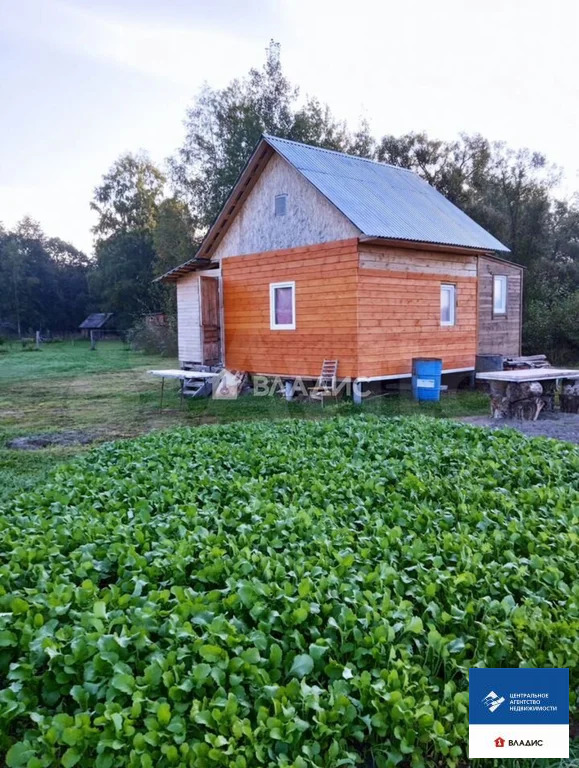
<point>98,322</point>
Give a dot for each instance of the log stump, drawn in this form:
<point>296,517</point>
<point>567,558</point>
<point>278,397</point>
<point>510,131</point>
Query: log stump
<point>519,400</point>
<point>569,397</point>
<point>549,392</point>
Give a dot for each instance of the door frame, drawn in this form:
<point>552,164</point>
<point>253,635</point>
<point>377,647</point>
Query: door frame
<point>219,323</point>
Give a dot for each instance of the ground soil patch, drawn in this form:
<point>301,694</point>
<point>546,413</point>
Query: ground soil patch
<point>50,439</point>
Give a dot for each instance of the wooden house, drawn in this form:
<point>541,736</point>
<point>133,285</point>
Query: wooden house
<point>317,254</point>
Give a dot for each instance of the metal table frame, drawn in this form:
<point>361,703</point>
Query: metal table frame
<point>180,375</point>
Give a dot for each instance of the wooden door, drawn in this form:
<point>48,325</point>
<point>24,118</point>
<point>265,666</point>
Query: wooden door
<point>210,325</point>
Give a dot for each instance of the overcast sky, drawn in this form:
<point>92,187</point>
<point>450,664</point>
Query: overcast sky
<point>83,80</point>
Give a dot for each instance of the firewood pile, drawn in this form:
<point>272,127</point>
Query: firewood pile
<point>521,400</point>
<point>569,397</point>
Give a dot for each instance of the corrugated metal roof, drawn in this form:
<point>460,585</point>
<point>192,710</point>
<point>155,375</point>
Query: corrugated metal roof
<point>384,200</point>
<point>96,320</point>
<point>183,269</point>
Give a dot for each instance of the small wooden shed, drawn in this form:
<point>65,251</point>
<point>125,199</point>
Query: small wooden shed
<point>100,323</point>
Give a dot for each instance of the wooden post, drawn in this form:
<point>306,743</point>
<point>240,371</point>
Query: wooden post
<point>92,341</point>
<point>357,392</point>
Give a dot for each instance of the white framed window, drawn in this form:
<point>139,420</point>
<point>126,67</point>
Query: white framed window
<point>499,294</point>
<point>447,304</point>
<point>280,205</point>
<point>282,306</point>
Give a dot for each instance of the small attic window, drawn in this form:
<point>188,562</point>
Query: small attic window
<point>280,207</point>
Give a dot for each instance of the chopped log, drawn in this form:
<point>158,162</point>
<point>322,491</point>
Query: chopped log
<point>525,401</point>
<point>499,402</point>
<point>518,400</point>
<point>569,398</point>
<point>523,390</point>
<point>549,392</point>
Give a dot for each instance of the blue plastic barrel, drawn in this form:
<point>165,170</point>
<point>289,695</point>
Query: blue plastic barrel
<point>426,373</point>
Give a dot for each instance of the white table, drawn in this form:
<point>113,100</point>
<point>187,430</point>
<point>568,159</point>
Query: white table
<point>529,374</point>
<point>505,403</point>
<point>181,375</point>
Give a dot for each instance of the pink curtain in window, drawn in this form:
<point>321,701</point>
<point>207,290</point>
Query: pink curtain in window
<point>283,306</point>
<point>445,305</point>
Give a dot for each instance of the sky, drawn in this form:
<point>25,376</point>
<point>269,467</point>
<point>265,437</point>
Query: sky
<point>82,81</point>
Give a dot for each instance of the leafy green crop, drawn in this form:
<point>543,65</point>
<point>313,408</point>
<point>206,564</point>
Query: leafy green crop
<point>292,594</point>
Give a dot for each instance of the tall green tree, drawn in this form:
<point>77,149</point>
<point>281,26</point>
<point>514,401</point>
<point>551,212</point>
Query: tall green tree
<point>223,127</point>
<point>127,203</point>
<point>122,281</point>
<point>173,236</point>
<point>43,281</point>
<point>128,197</point>
<point>174,242</point>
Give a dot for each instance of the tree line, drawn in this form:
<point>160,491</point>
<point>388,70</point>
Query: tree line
<point>151,219</point>
<point>43,281</point>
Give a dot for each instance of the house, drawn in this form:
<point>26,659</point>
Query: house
<point>100,323</point>
<point>318,254</point>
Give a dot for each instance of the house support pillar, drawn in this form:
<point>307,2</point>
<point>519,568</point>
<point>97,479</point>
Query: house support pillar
<point>289,389</point>
<point>357,394</point>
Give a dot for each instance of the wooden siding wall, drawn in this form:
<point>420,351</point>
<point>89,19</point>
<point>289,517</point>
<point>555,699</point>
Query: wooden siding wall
<point>399,309</point>
<point>326,310</point>
<point>309,218</point>
<point>500,335</point>
<point>188,321</point>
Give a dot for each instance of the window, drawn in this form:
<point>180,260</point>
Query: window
<point>282,306</point>
<point>280,207</point>
<point>447,304</point>
<point>499,295</point>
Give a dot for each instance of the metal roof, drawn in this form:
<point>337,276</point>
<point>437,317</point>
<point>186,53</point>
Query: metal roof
<point>382,201</point>
<point>385,200</point>
<point>183,269</point>
<point>96,320</point>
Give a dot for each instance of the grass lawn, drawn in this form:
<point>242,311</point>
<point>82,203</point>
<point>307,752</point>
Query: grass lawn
<point>108,393</point>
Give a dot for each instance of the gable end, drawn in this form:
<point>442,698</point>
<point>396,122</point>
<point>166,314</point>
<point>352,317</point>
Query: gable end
<point>261,224</point>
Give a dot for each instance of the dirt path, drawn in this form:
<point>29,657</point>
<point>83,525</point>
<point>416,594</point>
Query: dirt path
<point>560,426</point>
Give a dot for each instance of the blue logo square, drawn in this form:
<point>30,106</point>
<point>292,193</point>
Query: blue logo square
<point>521,696</point>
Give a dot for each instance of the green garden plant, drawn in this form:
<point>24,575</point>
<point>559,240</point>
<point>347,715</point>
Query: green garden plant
<point>300,593</point>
